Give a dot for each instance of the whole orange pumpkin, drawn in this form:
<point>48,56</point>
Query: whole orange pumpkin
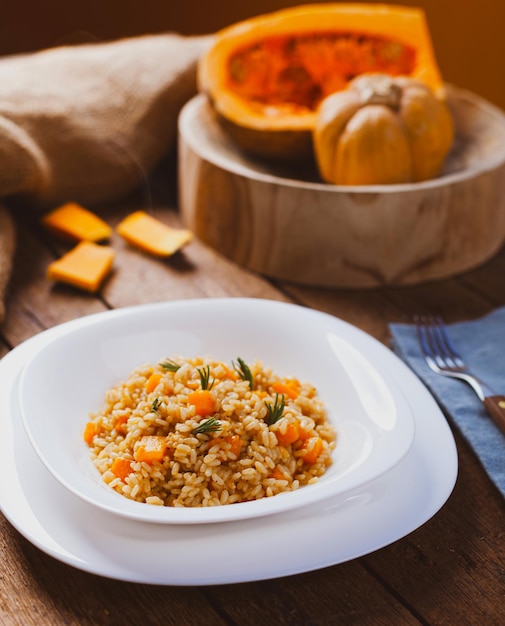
<point>382,130</point>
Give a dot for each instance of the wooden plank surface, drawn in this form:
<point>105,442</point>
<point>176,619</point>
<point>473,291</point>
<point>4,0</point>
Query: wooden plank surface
<point>449,571</point>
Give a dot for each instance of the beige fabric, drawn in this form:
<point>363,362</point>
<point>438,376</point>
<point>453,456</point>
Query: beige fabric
<point>7,240</point>
<point>87,123</point>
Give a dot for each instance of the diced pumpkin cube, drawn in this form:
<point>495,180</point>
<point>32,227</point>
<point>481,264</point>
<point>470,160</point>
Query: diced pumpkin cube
<point>120,423</point>
<point>90,431</point>
<point>152,382</point>
<point>290,388</point>
<point>85,266</point>
<point>73,221</point>
<point>203,401</point>
<point>233,444</point>
<point>289,434</point>
<point>149,234</point>
<point>279,474</point>
<point>150,448</point>
<point>121,468</point>
<point>311,449</point>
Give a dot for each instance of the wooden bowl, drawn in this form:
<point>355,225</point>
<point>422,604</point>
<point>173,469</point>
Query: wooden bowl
<point>281,221</point>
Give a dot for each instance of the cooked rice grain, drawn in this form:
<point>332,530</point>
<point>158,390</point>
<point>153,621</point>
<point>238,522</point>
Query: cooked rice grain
<point>244,459</point>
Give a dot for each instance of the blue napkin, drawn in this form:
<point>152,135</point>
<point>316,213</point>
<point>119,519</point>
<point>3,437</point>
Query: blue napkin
<point>481,343</point>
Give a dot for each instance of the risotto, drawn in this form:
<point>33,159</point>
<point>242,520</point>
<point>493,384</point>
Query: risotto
<point>196,432</point>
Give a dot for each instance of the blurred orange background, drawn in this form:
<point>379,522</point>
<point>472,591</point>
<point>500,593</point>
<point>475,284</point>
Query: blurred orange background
<point>468,35</point>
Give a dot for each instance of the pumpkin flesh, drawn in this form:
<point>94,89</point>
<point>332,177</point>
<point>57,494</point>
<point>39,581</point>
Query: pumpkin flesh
<point>295,73</point>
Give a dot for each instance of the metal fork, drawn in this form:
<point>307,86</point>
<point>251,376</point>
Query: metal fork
<point>443,358</point>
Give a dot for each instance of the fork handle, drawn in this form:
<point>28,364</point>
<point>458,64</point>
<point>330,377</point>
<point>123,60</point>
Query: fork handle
<point>495,406</point>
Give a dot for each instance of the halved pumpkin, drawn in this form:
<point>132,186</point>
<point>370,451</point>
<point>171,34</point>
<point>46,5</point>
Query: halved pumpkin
<point>266,76</point>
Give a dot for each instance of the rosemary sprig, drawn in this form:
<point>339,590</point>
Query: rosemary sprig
<point>170,365</point>
<point>204,373</point>
<point>275,410</point>
<point>155,406</point>
<point>244,372</point>
<point>207,426</point>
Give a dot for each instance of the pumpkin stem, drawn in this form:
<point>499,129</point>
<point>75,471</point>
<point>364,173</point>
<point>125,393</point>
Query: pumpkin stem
<point>379,89</point>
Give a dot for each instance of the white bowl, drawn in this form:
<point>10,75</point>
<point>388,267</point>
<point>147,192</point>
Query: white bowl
<point>67,379</point>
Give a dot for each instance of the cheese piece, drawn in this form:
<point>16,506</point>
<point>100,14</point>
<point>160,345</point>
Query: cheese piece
<point>77,223</point>
<point>85,266</point>
<point>149,234</point>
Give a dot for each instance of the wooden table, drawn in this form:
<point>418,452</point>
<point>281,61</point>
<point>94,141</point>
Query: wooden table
<point>449,571</point>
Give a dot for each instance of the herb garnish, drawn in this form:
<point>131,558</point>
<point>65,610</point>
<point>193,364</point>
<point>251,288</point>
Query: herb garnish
<point>244,372</point>
<point>274,412</point>
<point>207,426</point>
<point>204,373</point>
<point>170,365</point>
<point>155,406</point>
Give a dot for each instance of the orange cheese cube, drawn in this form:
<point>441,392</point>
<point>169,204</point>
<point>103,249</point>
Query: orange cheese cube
<point>149,234</point>
<point>77,223</point>
<point>85,266</point>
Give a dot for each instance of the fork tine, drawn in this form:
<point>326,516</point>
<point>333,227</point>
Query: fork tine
<point>421,335</point>
<point>433,338</point>
<point>447,344</point>
<point>442,358</point>
<point>436,343</point>
<point>426,341</point>
<point>438,338</point>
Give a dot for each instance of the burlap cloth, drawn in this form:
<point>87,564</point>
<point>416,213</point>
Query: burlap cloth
<point>88,122</point>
